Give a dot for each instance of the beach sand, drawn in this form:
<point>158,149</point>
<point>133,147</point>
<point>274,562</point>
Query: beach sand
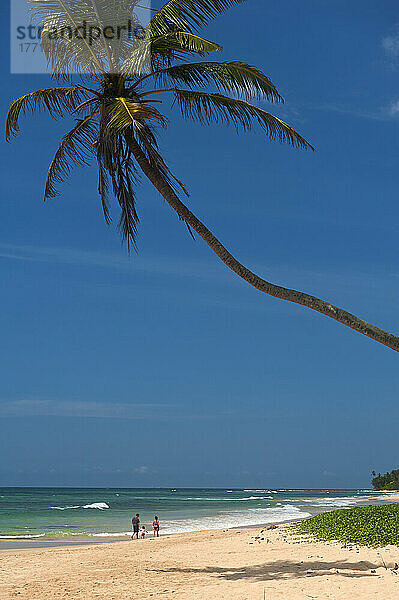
<point>211,565</point>
<point>393,497</point>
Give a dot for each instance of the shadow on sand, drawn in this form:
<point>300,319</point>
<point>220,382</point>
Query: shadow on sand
<point>283,570</point>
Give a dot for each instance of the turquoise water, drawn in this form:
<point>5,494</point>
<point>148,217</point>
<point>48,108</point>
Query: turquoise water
<point>27,513</point>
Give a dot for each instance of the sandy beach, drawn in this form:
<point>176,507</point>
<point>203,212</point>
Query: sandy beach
<point>393,497</point>
<point>241,564</point>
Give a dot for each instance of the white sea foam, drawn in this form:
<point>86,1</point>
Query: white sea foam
<point>230,499</point>
<point>121,534</point>
<point>224,520</point>
<point>332,502</point>
<point>259,498</point>
<point>64,507</point>
<point>98,505</point>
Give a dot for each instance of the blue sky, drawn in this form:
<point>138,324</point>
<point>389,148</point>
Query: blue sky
<point>163,368</point>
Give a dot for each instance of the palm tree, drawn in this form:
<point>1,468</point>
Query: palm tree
<point>115,106</point>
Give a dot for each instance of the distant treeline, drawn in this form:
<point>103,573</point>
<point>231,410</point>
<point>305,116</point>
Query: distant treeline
<point>389,481</point>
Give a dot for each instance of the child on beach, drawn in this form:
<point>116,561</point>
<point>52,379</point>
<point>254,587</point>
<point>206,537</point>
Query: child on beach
<point>143,532</point>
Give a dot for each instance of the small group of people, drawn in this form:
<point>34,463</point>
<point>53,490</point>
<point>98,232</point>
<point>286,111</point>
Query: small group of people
<point>142,532</point>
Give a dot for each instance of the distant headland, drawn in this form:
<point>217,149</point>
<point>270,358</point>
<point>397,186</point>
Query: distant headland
<point>389,481</point>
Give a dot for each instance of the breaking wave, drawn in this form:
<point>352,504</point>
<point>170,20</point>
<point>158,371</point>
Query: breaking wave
<point>98,505</point>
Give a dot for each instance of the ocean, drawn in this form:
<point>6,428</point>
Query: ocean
<point>106,513</point>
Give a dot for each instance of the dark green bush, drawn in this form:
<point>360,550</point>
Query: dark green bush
<point>389,481</point>
<point>363,525</point>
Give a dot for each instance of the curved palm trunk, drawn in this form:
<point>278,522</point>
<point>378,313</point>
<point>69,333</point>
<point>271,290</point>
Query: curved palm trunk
<point>340,315</point>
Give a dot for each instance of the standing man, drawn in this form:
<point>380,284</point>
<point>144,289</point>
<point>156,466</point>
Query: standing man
<point>136,525</point>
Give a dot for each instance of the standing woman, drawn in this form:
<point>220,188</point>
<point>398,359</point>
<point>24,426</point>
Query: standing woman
<point>155,525</point>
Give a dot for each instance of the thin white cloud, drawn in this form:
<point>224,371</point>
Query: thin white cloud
<point>30,407</point>
<point>78,408</point>
<point>393,108</point>
<point>387,112</point>
<point>168,266</point>
<point>336,284</point>
<point>390,43</point>
<point>174,266</point>
<point>141,470</point>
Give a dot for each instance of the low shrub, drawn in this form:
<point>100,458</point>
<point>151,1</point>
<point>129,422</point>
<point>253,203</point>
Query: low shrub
<point>363,525</point>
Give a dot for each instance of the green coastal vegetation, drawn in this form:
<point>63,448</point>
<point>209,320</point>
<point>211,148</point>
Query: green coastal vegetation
<point>389,481</point>
<point>362,525</point>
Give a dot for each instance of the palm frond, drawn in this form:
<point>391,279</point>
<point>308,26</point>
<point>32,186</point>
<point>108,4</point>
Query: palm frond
<point>94,52</point>
<point>124,113</point>
<point>68,54</point>
<point>188,15</point>
<point>117,168</point>
<point>103,190</point>
<point>176,44</point>
<point>159,51</point>
<point>234,77</point>
<point>76,149</point>
<point>123,179</point>
<point>139,59</point>
<point>56,101</point>
<point>215,108</point>
<point>146,139</point>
